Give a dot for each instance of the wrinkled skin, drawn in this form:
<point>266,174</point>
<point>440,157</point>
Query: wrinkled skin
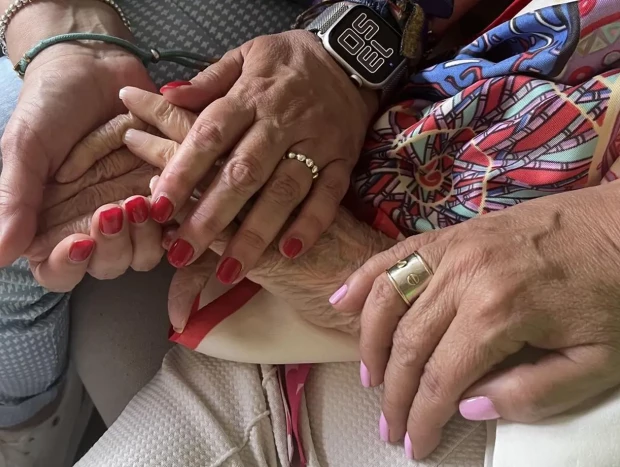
<point>273,94</point>
<point>71,213</point>
<point>68,91</point>
<point>543,274</point>
<point>305,283</point>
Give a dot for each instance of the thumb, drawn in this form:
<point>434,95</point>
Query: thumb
<point>23,176</point>
<point>185,288</point>
<point>208,85</point>
<point>531,392</point>
<point>351,296</point>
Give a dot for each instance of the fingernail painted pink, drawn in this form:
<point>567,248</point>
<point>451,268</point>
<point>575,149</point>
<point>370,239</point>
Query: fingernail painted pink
<point>364,375</point>
<point>384,429</point>
<point>478,408</point>
<point>339,294</point>
<point>408,448</point>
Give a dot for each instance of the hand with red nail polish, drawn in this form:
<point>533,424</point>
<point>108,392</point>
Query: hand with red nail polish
<point>180,253</point>
<point>121,237</point>
<point>233,124</point>
<point>80,250</point>
<point>174,85</point>
<point>111,221</point>
<point>52,117</point>
<point>305,283</point>
<point>137,210</point>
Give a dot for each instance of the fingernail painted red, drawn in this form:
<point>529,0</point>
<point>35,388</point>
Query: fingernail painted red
<point>162,209</point>
<point>408,448</point>
<point>137,210</point>
<point>174,85</point>
<point>180,253</point>
<point>364,375</point>
<point>292,247</point>
<point>339,294</point>
<point>478,408</point>
<point>384,429</point>
<point>111,221</point>
<point>80,250</point>
<point>229,270</point>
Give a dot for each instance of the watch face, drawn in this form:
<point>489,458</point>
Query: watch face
<point>367,43</point>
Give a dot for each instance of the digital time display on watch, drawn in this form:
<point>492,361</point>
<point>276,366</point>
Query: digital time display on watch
<point>367,43</point>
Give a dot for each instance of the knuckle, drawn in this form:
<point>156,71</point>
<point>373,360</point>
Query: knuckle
<point>249,91</point>
<point>179,177</point>
<point>206,226</point>
<point>168,152</point>
<point>523,400</point>
<point>492,307</point>
<point>115,128</point>
<point>284,190</point>
<point>333,189</point>
<point>242,175</point>
<point>382,292</point>
<point>163,111</point>
<point>207,133</point>
<point>404,352</point>
<point>432,387</point>
<point>253,239</point>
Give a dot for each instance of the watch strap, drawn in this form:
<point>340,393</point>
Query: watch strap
<point>327,18</point>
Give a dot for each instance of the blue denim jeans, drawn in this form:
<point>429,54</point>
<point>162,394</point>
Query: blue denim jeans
<point>34,323</point>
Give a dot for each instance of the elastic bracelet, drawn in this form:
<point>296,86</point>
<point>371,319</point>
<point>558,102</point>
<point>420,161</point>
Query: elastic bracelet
<point>187,59</point>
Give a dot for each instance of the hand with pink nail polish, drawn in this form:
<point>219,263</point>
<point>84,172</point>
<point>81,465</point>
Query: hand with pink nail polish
<point>543,274</point>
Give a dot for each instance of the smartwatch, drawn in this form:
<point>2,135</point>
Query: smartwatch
<point>365,45</point>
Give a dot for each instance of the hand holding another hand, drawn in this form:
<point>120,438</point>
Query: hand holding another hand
<point>306,283</point>
<point>543,274</point>
<point>68,91</point>
<point>100,222</point>
<point>273,95</point>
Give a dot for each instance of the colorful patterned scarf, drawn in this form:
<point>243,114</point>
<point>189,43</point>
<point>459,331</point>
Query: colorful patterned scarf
<point>528,109</point>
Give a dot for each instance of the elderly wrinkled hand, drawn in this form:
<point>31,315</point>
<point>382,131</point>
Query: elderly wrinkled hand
<point>542,274</point>
<point>67,91</point>
<point>273,95</point>
<point>100,222</point>
<point>305,283</point>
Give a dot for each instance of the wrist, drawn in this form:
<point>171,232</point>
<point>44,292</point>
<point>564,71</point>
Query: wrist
<point>41,20</point>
